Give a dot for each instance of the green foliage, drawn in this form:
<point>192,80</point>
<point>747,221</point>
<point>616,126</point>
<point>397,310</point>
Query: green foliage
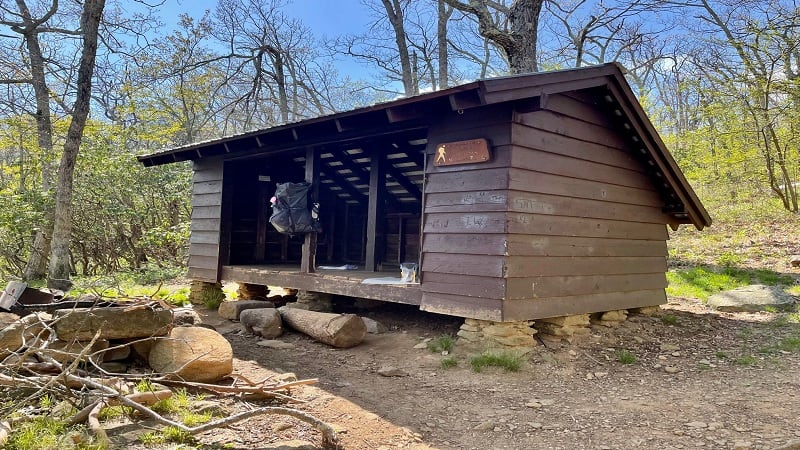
<point>669,319</point>
<point>178,402</point>
<point>703,281</point>
<point>507,361</point>
<point>448,363</point>
<point>212,298</point>
<point>443,343</point>
<point>626,357</point>
<point>191,419</point>
<point>746,360</point>
<point>39,433</point>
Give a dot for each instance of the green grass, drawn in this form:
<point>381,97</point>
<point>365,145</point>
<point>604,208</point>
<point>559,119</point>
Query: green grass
<point>448,363</point>
<point>721,355</point>
<point>178,402</point>
<point>702,282</point>
<point>212,298</point>
<point>505,361</point>
<point>443,343</point>
<point>39,433</point>
<point>626,357</point>
<point>669,319</point>
<point>746,360</point>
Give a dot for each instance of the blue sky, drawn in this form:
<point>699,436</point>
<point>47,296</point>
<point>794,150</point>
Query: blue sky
<point>325,17</point>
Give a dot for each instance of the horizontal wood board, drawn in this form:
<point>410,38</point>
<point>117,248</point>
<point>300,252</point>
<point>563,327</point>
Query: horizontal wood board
<point>204,239</point>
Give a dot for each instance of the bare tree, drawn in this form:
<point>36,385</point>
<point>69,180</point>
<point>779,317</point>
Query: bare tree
<point>60,265</point>
<point>515,29</point>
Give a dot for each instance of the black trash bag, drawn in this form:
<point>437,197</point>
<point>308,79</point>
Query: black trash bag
<point>290,213</point>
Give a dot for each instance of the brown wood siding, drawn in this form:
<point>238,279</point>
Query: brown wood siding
<point>580,304</point>
<point>204,240</point>
<point>464,218</point>
<point>586,230</point>
<point>567,286</point>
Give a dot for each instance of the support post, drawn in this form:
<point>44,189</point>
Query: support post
<point>308,261</point>
<point>377,195</point>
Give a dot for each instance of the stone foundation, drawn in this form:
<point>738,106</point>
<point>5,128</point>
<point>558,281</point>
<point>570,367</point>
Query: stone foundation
<point>646,310</point>
<point>249,291</point>
<point>197,289</point>
<point>516,337</point>
<point>313,301</point>
<point>565,327</point>
<point>610,318</point>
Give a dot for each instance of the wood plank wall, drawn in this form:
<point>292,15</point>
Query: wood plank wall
<point>586,231</point>
<point>204,240</point>
<point>463,219</point>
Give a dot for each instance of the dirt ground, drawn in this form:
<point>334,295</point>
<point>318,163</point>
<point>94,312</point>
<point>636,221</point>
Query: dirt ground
<point>701,379</point>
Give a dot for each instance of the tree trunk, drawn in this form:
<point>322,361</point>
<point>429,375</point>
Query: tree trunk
<point>338,330</point>
<point>59,268</point>
<point>394,11</point>
<point>524,18</point>
<point>441,38</point>
<point>36,267</point>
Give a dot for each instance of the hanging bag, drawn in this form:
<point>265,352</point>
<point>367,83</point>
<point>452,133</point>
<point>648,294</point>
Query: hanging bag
<point>290,213</point>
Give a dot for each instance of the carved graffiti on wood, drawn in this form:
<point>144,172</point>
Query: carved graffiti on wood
<point>461,152</point>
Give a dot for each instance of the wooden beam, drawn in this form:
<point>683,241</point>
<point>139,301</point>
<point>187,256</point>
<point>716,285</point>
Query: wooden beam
<point>309,253</point>
<point>403,181</point>
<point>341,182</point>
<point>377,194</point>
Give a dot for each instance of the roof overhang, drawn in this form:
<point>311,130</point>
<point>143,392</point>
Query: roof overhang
<point>418,112</point>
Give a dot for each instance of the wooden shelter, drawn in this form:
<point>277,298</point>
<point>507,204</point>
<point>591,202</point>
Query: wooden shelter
<point>520,197</point>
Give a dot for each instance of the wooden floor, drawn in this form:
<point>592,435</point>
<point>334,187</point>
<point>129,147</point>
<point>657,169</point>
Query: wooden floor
<point>340,282</point>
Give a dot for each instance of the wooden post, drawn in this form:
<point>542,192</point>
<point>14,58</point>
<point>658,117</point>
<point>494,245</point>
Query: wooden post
<point>262,220</point>
<point>308,261</point>
<point>377,194</point>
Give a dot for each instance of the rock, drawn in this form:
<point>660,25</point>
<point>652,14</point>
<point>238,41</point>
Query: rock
<point>610,318</point>
<point>81,324</point>
<point>248,291</point>
<point>66,352</point>
<point>753,298</point>
<point>669,347</point>
<point>142,347</point>
<point>671,369</point>
<point>421,345</point>
<point>794,260</point>
<point>742,445</point>
<point>391,371</point>
<point>278,345</point>
<point>313,301</point>
<point>264,322</point>
<point>294,444</point>
<point>117,352</point>
<point>697,424</point>
<point>646,310</point>
<point>193,354</point>
<point>18,330</point>
<point>233,309</point>
<point>114,366</point>
<point>485,426</point>
<point>185,317</point>
<point>373,326</point>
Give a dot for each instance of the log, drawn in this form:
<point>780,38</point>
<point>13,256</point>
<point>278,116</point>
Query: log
<point>338,330</point>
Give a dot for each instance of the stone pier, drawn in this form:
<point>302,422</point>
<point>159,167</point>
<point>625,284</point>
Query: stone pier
<point>200,290</point>
<point>515,337</point>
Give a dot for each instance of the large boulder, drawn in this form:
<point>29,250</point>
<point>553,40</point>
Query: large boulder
<point>756,297</point>
<point>16,332</point>
<point>233,309</point>
<point>193,354</point>
<point>81,324</point>
<point>265,322</point>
